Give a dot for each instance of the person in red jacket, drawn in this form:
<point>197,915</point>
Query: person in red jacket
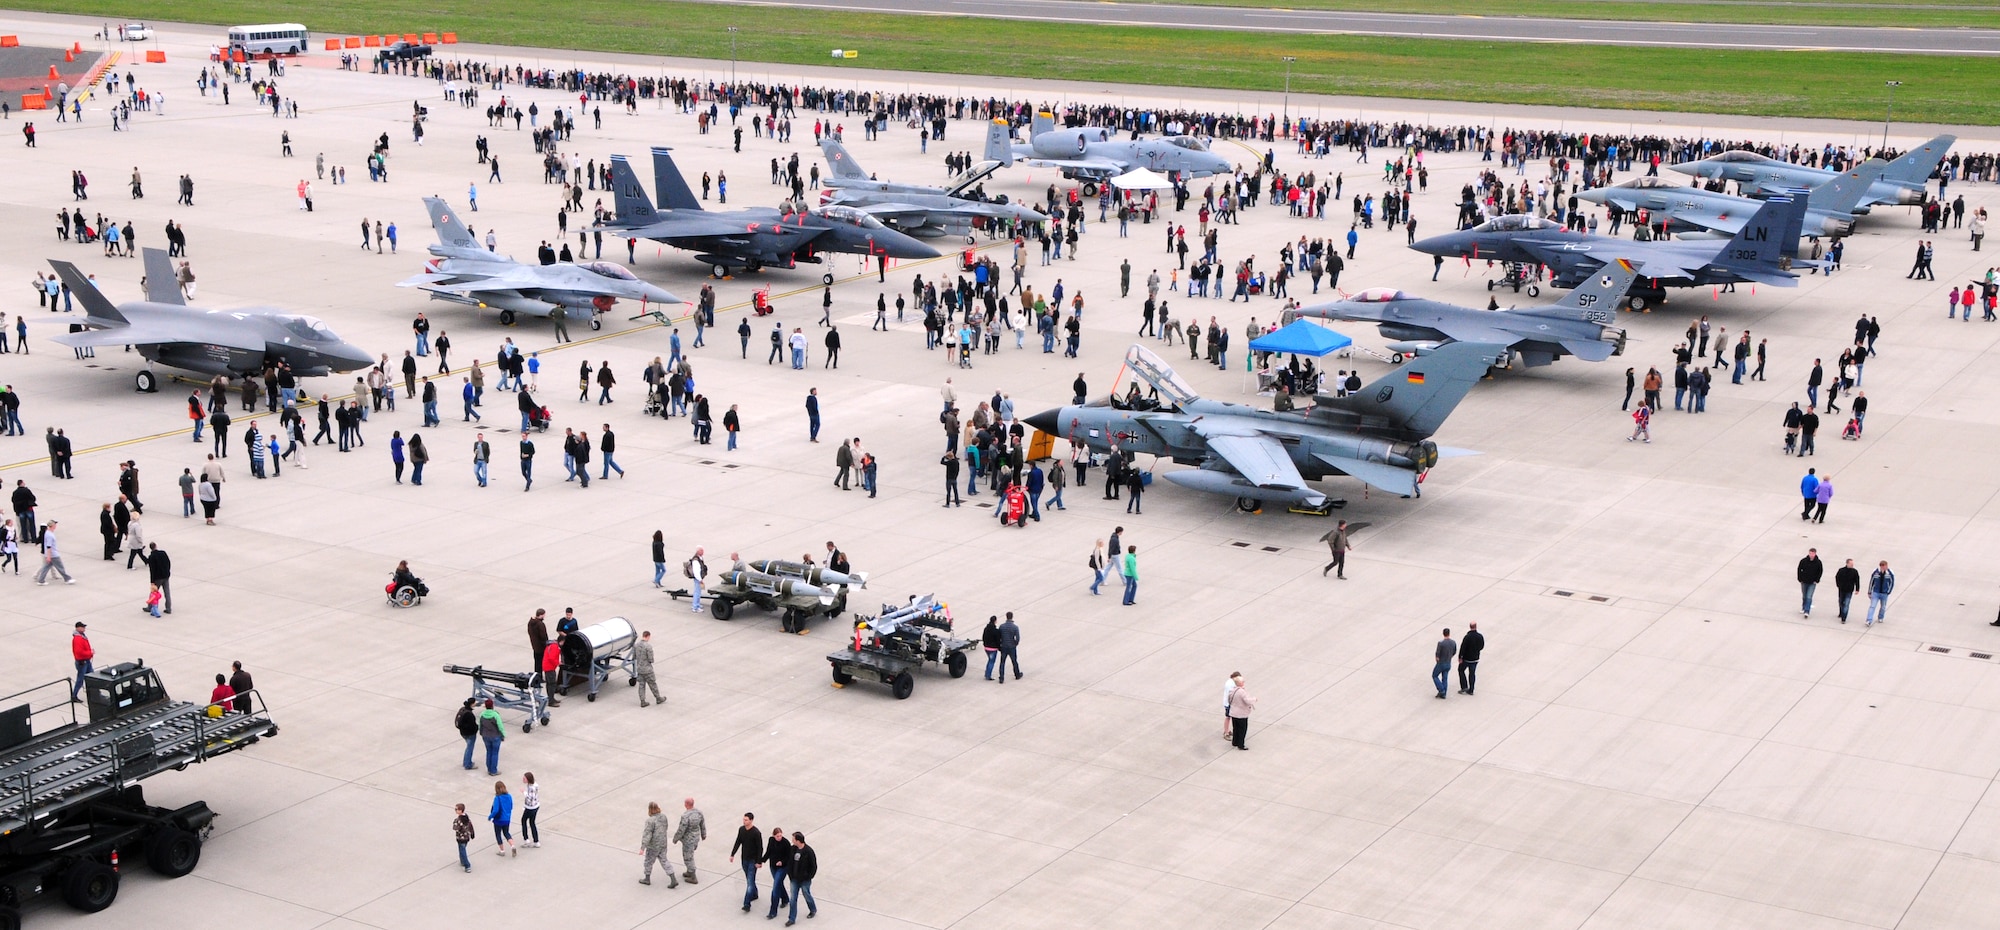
<point>552,668</point>
<point>80,651</point>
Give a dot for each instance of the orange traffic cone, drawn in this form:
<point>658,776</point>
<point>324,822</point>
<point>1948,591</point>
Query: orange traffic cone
<point>52,73</point>
<point>76,48</point>
<point>69,55</point>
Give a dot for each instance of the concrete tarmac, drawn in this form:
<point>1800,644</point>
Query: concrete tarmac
<point>1659,739</point>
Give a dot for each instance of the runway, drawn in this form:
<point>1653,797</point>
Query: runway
<point>1740,37</point>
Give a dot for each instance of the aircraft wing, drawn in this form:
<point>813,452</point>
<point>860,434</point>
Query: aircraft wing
<point>146,334</point>
<point>1257,457</point>
<point>690,226</point>
<point>1087,165</point>
<point>1387,477</point>
<point>1647,263</point>
<point>1468,331</point>
<point>1708,217</point>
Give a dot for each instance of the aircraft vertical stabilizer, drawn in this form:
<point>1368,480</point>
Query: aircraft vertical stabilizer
<point>628,196</point>
<point>161,285</point>
<point>1417,396</point>
<point>450,231</point>
<point>668,184</point>
<point>999,143</point>
<point>1772,233</point>
<point>1916,166</point>
<point>99,308</point>
<point>840,161</point>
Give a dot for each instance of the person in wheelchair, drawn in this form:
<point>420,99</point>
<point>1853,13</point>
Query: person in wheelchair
<point>404,578</point>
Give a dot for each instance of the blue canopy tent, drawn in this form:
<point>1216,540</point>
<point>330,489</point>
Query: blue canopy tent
<point>1302,337</point>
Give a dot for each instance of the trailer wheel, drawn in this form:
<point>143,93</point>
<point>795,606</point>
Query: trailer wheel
<point>955,664</point>
<point>721,609</point>
<point>10,919</point>
<point>172,852</point>
<point>90,886</point>
<point>902,686</point>
<point>841,677</point>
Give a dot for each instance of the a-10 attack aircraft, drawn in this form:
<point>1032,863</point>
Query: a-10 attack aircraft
<point>1094,154</point>
<point>1830,207</point>
<point>752,239</point>
<point>919,209</point>
<point>465,272</point>
<point>1580,324</point>
<point>1379,434</point>
<point>1905,181</point>
<point>236,343</point>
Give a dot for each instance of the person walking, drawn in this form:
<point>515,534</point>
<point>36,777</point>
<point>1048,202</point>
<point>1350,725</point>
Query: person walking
<point>467,722</point>
<point>642,667</point>
<point>1130,570</point>
<point>1241,703</point>
<point>80,652</point>
<point>653,842</point>
<point>1822,496</point>
<point>1846,581</point>
<point>492,733</point>
<point>1441,670</point>
<point>482,454</point>
<point>52,560</point>
<point>1808,487</point>
<point>1469,649</point>
<point>461,830</point>
<point>1810,570</point>
<point>1881,583</point>
<point>989,639</point>
<point>1010,646</point>
<point>501,815</point>
<point>750,845</point>
<point>1336,541</point>
<point>531,807</point>
<point>693,829</point>
<point>778,857</point>
<point>805,865</point>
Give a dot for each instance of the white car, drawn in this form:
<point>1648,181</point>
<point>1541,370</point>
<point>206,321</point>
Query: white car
<point>135,32</point>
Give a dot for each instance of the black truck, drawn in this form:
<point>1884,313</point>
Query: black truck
<point>71,809</point>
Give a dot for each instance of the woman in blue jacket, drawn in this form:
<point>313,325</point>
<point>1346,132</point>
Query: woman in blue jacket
<point>502,817</point>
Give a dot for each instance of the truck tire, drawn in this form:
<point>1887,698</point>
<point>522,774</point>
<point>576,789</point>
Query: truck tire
<point>955,664</point>
<point>902,686</point>
<point>90,886</point>
<point>721,609</point>
<point>172,852</point>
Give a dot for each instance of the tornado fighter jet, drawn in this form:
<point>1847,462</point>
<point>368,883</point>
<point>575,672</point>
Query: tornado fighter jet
<point>1830,207</point>
<point>754,238</point>
<point>1904,182</point>
<point>918,209</point>
<point>1579,324</point>
<point>1094,155</point>
<point>464,272</point>
<point>237,343</point>
<point>1379,435</point>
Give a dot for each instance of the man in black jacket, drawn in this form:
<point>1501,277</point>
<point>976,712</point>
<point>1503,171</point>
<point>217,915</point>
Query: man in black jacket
<point>1846,581</point>
<point>750,844</point>
<point>1469,648</point>
<point>239,682</point>
<point>805,864</point>
<point>24,512</point>
<point>161,570</point>
<point>1810,570</point>
<point>778,856</point>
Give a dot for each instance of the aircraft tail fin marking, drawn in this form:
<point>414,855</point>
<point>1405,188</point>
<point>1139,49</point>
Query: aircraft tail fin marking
<point>1843,192</point>
<point>628,195</point>
<point>1419,394</point>
<point>451,231</point>
<point>1916,166</point>
<point>840,161</point>
<point>999,143</point>
<point>1771,234</point>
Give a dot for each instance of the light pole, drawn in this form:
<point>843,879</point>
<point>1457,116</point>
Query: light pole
<point>732,61</point>
<point>1286,113</point>
<point>1891,111</point>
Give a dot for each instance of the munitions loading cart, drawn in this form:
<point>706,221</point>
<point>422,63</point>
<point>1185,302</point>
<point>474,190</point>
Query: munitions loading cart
<point>593,652</point>
<point>892,645</point>
<point>511,690</point>
<point>70,802</point>
<point>1518,275</point>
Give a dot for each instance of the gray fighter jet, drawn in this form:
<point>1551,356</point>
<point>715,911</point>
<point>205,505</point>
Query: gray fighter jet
<point>753,238</point>
<point>918,209</point>
<point>1094,155</point>
<point>1379,435</point>
<point>1903,183</point>
<point>1830,207</point>
<point>166,331</point>
<point>1579,324</point>
<point>464,272</point>
<point>1761,252</point>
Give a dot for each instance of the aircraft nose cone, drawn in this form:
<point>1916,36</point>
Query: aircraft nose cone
<point>1688,168</point>
<point>660,295</point>
<point>1048,421</point>
<point>898,245</point>
<point>1449,244</point>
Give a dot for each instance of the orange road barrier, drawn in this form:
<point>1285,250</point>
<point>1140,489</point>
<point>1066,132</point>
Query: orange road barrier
<point>450,38</point>
<point>156,58</point>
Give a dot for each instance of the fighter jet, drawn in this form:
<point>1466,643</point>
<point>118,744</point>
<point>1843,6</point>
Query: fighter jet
<point>918,209</point>
<point>1092,154</point>
<point>1760,252</point>
<point>1379,435</point>
<point>1830,207</point>
<point>752,238</point>
<point>464,272</point>
<point>237,343</point>
<point>1579,324</point>
<point>1904,182</point>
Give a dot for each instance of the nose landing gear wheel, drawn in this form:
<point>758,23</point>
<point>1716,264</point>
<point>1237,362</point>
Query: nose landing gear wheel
<point>146,382</point>
<point>826,278</point>
<point>596,322</point>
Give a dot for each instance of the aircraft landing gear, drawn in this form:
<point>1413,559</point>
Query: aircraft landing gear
<point>1090,188</point>
<point>506,318</point>
<point>1249,505</point>
<point>146,382</point>
<point>719,271</point>
<point>826,278</point>
<point>596,322</point>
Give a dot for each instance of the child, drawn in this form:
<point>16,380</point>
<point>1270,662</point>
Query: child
<point>461,830</point>
<point>153,601</point>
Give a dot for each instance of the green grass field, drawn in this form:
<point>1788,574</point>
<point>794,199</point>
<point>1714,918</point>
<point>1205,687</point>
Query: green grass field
<point>1944,13</point>
<point>1940,89</point>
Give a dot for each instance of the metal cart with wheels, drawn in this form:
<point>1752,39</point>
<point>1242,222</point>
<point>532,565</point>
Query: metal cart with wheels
<point>510,690</point>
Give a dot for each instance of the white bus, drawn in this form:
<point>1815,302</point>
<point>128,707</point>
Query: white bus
<point>269,39</point>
